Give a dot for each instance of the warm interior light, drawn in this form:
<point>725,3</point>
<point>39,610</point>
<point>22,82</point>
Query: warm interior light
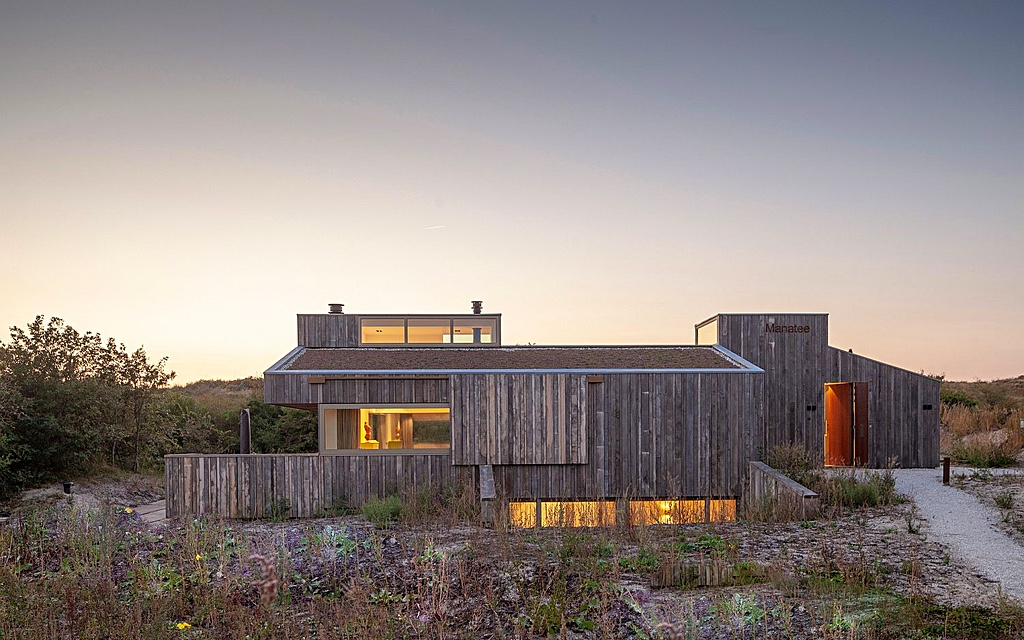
<point>602,513</point>
<point>722,510</point>
<point>404,428</point>
<point>522,515</point>
<point>577,514</point>
<point>647,512</point>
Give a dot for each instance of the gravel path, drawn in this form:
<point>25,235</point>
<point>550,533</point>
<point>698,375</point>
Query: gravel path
<point>956,519</point>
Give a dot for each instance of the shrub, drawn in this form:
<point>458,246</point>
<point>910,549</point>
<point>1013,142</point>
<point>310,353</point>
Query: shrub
<point>793,460</point>
<point>847,490</point>
<point>1004,499</point>
<point>383,513</point>
<point>957,398</point>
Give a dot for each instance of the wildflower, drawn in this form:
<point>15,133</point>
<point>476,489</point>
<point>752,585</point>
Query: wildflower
<point>199,556</point>
<point>183,625</point>
<point>129,510</point>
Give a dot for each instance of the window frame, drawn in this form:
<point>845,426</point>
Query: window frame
<point>492,319</point>
<point>322,435</point>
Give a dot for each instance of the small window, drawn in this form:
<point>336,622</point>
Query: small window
<point>601,513</point>
<point>646,512</point>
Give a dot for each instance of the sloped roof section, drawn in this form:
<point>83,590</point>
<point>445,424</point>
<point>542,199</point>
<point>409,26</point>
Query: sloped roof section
<point>516,359</point>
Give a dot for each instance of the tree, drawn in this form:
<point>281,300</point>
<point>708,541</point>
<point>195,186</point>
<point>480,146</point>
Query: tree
<point>77,398</point>
<point>137,381</point>
<point>281,430</point>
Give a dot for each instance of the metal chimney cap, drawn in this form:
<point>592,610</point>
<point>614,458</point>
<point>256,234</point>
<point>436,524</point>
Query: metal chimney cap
<point>336,307</point>
<point>478,306</point>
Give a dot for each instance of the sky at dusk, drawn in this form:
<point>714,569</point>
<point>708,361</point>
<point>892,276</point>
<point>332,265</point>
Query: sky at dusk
<point>188,176</point>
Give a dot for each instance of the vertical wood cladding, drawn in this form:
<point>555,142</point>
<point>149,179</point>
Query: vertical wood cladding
<point>295,389</point>
<point>653,435</point>
<point>899,425</point>
<point>249,486</point>
<point>519,419</point>
<point>792,349</point>
<point>328,330</point>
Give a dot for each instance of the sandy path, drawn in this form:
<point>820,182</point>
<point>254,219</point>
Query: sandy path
<point>958,520</point>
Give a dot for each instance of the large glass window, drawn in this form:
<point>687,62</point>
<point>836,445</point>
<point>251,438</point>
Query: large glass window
<point>386,428</point>
<point>440,330</point>
<point>473,331</point>
<point>430,330</point>
<point>383,331</point>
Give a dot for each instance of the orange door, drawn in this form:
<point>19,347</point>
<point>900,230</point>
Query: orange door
<point>838,423</point>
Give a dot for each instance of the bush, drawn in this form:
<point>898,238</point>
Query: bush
<point>957,398</point>
<point>383,513</point>
<point>793,460</point>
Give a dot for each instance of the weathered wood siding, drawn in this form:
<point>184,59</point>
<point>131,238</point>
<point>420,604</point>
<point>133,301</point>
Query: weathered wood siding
<point>328,330</point>
<point>250,486</point>
<point>519,419</point>
<point>777,495</point>
<point>653,435</point>
<point>899,424</point>
<point>795,366</point>
<point>294,389</point>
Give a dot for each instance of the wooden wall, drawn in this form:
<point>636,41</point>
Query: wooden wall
<point>328,330</point>
<point>654,435</point>
<point>248,486</point>
<point>794,365</point>
<point>548,436</point>
<point>797,366</point>
<point>294,389</point>
<point>519,418</point>
<point>899,424</point>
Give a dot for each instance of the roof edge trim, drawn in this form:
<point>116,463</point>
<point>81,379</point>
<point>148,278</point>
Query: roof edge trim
<point>386,372</point>
<point>291,355</point>
<point>737,359</point>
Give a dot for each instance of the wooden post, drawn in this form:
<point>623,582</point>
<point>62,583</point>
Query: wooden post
<point>244,433</point>
<point>487,495</point>
<point>945,470</point>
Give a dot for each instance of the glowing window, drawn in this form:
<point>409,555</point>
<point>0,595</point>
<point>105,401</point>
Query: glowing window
<point>391,428</point>
<point>647,512</point>
<point>722,510</point>
<point>474,331</point>
<point>522,515</point>
<point>430,330</point>
<point>383,331</point>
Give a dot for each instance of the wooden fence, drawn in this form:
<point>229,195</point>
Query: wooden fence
<point>299,485</point>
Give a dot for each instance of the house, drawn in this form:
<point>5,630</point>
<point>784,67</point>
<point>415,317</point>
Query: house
<point>579,434</point>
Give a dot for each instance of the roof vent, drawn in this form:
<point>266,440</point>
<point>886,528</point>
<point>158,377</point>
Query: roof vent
<point>336,307</point>
<point>478,306</point>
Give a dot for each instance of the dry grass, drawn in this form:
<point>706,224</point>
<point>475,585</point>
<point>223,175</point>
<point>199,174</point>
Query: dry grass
<point>103,574</point>
<point>982,436</point>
